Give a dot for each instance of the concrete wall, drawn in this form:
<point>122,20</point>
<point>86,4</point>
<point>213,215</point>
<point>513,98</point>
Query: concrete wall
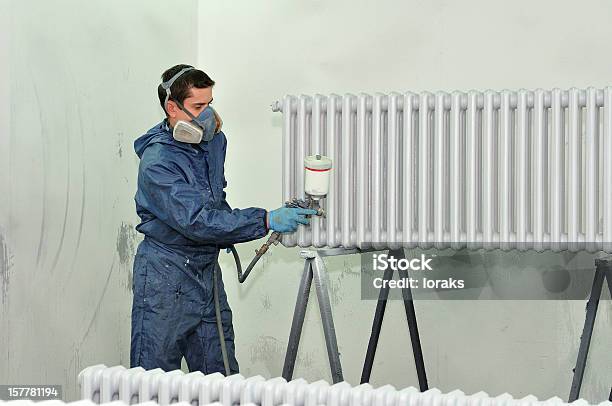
<point>83,79</point>
<point>259,52</point>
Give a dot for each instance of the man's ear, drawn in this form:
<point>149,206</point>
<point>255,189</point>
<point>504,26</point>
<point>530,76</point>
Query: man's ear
<point>171,109</point>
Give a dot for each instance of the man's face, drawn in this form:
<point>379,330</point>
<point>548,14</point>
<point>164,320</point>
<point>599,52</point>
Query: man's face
<point>198,100</point>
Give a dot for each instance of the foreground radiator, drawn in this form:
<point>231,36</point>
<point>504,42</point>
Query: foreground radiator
<point>102,384</point>
<point>78,403</point>
<point>511,169</point>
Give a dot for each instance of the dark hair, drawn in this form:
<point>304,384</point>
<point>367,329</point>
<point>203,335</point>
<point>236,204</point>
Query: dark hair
<point>181,87</point>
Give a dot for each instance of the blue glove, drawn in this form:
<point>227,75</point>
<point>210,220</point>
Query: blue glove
<point>286,219</point>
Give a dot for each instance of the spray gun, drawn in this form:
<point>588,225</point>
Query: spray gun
<point>317,169</point>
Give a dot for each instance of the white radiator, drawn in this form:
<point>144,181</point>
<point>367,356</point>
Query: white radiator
<point>194,388</point>
<point>23,402</point>
<point>80,403</point>
<point>512,169</point>
<point>77,403</point>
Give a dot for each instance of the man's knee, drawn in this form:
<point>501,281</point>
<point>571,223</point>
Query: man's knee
<point>204,348</point>
<point>154,343</point>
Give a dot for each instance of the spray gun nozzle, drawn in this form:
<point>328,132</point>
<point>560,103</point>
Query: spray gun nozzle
<point>308,203</point>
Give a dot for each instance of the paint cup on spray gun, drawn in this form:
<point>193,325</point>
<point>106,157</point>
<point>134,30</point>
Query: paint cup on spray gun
<point>317,169</point>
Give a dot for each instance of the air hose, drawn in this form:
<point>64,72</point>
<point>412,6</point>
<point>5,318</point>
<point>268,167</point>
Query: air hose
<point>274,239</point>
<point>219,321</point>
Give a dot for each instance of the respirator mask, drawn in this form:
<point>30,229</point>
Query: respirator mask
<point>200,128</point>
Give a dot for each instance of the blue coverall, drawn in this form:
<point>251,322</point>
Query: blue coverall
<point>185,220</point>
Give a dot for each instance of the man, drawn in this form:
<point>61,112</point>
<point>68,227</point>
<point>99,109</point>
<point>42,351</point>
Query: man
<point>186,220</point>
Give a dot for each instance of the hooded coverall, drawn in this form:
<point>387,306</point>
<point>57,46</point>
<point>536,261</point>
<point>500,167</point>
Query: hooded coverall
<point>185,220</point>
